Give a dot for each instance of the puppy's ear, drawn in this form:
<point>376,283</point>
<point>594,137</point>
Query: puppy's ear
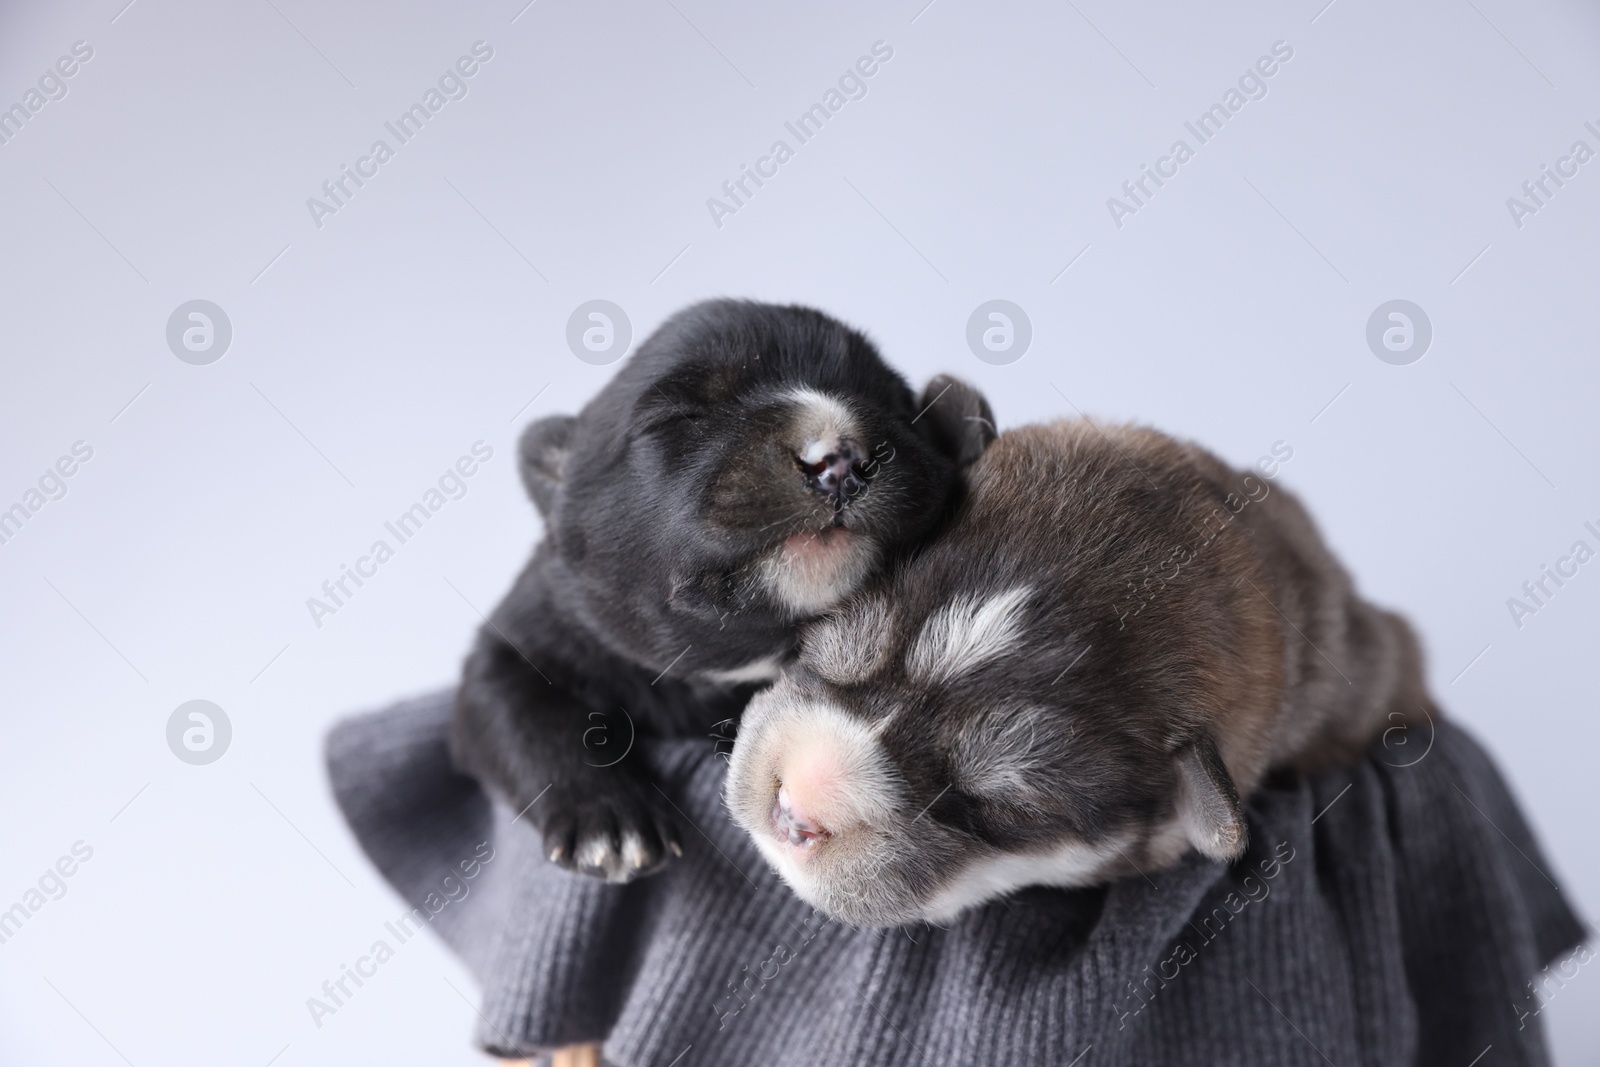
<point>958,418</point>
<point>1208,804</point>
<point>542,459</point>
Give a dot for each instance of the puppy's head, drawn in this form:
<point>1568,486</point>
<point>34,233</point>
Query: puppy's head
<point>978,719</point>
<point>919,788</point>
<point>746,469</point>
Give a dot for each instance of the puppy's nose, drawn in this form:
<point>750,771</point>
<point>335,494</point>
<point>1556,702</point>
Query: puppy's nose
<point>792,822</point>
<point>833,468</point>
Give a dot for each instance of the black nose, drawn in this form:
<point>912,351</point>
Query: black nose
<point>833,468</point>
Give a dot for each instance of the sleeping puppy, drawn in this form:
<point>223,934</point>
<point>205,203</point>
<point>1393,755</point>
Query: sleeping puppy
<point>1114,641</point>
<point>746,469</point>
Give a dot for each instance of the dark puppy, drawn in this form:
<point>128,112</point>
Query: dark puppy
<point>1115,640</point>
<point>746,469</point>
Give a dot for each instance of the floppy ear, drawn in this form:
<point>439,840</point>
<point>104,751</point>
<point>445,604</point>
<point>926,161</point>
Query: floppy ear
<point>542,459</point>
<point>1208,804</point>
<point>958,418</point>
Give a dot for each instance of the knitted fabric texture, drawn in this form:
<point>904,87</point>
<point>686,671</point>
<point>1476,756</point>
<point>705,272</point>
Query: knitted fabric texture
<point>1391,913</point>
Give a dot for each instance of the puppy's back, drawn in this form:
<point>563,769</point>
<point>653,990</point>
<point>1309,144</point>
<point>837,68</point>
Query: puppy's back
<point>1220,565</point>
<point>1352,670</point>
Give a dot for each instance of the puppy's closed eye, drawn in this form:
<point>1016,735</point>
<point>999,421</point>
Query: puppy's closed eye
<point>1001,755</point>
<point>668,415</point>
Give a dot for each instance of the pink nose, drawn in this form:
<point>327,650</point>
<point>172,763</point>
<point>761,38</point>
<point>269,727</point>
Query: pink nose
<point>793,823</point>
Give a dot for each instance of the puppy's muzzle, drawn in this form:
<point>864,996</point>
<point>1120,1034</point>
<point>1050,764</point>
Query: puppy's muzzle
<point>833,468</point>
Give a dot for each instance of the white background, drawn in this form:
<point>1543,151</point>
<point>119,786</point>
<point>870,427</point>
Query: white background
<point>376,349</point>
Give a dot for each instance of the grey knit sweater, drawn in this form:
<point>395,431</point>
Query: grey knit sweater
<point>1387,914</point>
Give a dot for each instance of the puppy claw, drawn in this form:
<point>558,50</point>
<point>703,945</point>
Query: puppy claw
<point>633,853</point>
<point>616,838</point>
<point>594,852</point>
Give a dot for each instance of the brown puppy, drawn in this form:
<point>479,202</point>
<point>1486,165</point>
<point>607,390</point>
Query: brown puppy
<point>1117,638</point>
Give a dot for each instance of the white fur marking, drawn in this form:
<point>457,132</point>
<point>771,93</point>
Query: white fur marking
<point>765,669</point>
<point>816,451</point>
<point>965,634</point>
<point>812,580</point>
<point>1068,865</point>
<point>820,420</point>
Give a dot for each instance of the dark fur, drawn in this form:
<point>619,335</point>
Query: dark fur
<point>659,499</point>
<point>1187,632</point>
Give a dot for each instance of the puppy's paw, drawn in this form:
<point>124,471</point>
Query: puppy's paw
<point>618,836</point>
